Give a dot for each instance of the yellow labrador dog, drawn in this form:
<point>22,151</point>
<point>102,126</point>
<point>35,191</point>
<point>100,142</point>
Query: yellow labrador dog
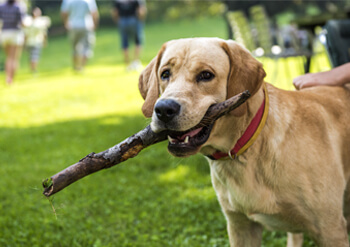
<point>280,161</point>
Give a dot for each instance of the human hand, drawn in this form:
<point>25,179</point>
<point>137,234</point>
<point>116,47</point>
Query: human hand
<point>314,79</point>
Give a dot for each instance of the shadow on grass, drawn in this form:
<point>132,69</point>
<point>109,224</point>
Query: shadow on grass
<point>129,204</point>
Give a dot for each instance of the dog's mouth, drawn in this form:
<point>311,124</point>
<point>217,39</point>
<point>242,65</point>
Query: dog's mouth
<point>188,142</point>
<point>185,143</point>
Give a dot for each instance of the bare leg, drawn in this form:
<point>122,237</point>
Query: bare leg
<point>84,61</point>
<point>126,56</point>
<point>137,52</point>
<point>33,66</point>
<point>77,62</point>
<point>13,53</point>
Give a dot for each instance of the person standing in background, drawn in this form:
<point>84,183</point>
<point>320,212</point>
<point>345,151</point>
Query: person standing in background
<point>12,36</point>
<point>80,18</point>
<point>130,15</point>
<point>36,36</point>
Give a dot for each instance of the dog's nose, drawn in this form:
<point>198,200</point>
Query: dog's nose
<point>167,109</point>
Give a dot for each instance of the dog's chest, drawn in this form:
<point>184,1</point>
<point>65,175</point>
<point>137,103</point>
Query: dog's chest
<point>240,190</point>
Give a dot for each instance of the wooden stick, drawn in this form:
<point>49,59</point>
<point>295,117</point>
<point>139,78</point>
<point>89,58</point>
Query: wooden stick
<point>129,148</point>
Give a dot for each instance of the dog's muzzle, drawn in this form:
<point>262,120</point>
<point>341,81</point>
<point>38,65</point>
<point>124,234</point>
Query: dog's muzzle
<point>184,143</point>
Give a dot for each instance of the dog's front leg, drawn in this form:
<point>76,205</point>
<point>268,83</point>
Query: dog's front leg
<point>295,240</point>
<point>242,231</point>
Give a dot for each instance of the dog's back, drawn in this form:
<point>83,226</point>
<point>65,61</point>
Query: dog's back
<point>318,113</point>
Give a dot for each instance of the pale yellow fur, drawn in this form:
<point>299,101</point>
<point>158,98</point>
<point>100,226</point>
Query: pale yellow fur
<point>294,177</point>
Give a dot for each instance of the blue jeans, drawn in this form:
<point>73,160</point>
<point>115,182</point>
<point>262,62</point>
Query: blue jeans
<point>130,28</point>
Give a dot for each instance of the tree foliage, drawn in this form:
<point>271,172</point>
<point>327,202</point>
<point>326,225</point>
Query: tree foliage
<point>157,10</point>
<point>171,10</point>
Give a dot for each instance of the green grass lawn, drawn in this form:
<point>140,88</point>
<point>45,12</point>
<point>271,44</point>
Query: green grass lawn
<point>50,120</point>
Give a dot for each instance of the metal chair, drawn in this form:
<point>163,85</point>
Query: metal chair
<point>241,29</point>
<point>280,45</point>
<point>266,43</point>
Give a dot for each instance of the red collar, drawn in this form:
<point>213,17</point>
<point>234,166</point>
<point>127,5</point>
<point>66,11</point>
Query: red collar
<point>250,134</point>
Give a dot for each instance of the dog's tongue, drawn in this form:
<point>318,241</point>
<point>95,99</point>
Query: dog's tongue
<point>190,134</point>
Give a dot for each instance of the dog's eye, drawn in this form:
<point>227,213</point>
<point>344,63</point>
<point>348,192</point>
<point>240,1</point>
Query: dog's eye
<point>165,75</point>
<point>205,76</point>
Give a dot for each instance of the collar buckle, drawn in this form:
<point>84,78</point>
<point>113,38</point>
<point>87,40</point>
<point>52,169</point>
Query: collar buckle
<point>230,155</point>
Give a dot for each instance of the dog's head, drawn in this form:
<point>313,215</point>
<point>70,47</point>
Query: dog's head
<point>186,78</point>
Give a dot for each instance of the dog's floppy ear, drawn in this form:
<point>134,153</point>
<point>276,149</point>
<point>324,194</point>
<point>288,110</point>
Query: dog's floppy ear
<point>149,85</point>
<point>246,73</point>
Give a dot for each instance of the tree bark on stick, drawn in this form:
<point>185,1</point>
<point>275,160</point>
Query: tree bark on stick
<point>129,148</point>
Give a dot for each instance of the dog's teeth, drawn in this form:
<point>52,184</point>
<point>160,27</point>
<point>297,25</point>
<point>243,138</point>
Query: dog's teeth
<point>187,139</point>
<point>171,140</point>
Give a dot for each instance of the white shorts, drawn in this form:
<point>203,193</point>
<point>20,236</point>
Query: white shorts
<point>12,37</point>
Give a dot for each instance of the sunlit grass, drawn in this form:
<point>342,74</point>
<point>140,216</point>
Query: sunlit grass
<point>177,174</point>
<point>49,98</point>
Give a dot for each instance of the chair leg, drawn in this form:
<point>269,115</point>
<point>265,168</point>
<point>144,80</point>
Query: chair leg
<point>307,65</point>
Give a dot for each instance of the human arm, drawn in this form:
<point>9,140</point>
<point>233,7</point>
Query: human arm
<point>21,18</point>
<point>338,76</point>
<point>142,11</point>
<point>65,13</point>
<point>115,13</point>
<point>64,16</point>
<point>95,17</point>
<point>94,13</point>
